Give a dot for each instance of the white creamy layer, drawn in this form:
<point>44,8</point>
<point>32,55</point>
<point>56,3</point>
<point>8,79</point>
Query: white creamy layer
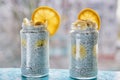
<point>28,23</point>
<point>84,24</point>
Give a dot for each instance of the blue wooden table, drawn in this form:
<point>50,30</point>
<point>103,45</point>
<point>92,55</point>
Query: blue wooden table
<point>55,74</point>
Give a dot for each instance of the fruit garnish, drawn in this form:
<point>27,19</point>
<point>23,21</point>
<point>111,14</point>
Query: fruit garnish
<point>90,14</point>
<point>45,14</point>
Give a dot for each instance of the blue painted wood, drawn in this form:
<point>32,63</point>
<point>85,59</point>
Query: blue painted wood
<point>55,74</point>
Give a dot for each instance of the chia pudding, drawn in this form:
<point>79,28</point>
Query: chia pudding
<point>34,50</point>
<point>83,56</point>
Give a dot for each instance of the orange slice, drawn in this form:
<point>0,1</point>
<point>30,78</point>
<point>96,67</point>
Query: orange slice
<point>90,14</point>
<point>45,14</point>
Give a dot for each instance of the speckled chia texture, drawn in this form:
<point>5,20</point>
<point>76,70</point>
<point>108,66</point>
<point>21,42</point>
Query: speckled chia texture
<point>83,56</point>
<point>34,52</point>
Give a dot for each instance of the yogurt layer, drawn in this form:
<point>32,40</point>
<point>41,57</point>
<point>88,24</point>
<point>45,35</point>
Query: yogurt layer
<point>84,25</point>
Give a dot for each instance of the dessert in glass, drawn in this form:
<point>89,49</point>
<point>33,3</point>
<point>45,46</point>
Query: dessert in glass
<point>35,36</point>
<point>84,46</point>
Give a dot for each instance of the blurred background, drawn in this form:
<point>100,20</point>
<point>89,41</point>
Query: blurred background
<point>12,13</point>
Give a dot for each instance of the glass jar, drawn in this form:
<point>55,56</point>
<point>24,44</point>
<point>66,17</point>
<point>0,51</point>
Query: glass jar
<point>83,52</point>
<point>34,51</point>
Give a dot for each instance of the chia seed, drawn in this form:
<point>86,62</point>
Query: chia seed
<point>84,67</point>
<point>34,54</point>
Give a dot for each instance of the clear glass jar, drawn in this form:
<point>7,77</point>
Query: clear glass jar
<point>83,53</point>
<point>34,51</point>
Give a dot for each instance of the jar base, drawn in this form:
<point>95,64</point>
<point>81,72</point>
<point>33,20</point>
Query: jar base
<point>86,78</point>
<point>37,75</point>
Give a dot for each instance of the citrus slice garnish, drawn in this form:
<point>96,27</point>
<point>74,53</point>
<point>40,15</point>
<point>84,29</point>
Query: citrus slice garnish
<point>90,14</point>
<point>82,51</point>
<point>45,14</point>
